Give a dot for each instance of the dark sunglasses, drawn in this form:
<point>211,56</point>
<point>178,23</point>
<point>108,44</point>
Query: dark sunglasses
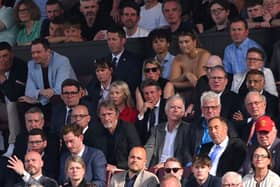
<point>168,170</point>
<point>147,70</point>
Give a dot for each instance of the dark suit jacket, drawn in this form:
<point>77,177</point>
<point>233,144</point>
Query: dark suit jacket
<point>125,137</point>
<point>14,86</point>
<point>44,181</point>
<point>141,125</point>
<point>129,69</point>
<point>95,170</point>
<point>195,136</point>
<point>155,143</point>
<point>232,158</point>
<point>212,181</point>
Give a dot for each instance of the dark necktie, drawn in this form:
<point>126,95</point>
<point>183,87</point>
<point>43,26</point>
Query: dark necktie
<point>114,61</point>
<point>68,117</point>
<point>152,118</point>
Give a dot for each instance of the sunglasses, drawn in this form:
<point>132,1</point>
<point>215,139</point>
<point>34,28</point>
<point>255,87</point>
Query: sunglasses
<point>168,170</point>
<point>147,70</point>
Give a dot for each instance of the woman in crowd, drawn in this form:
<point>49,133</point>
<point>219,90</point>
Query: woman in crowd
<point>120,95</point>
<point>152,70</point>
<point>75,169</point>
<point>262,175</point>
<point>28,17</point>
<point>187,66</point>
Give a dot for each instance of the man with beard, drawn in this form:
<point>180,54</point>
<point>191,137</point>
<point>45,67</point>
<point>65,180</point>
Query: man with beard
<point>136,175</point>
<point>130,15</point>
<point>31,170</point>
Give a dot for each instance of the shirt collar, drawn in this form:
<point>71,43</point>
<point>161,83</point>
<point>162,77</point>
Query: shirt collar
<point>224,143</point>
<point>118,55</point>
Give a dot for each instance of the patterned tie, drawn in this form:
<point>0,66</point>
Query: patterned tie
<point>215,152</point>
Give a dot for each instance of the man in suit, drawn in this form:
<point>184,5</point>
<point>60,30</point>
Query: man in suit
<point>136,174</point>
<point>46,72</point>
<point>93,158</point>
<point>71,95</point>
<point>127,66</point>
<point>227,154</point>
<point>168,138</point>
<point>118,136</point>
<point>13,75</point>
<point>31,170</point>
<point>152,112</point>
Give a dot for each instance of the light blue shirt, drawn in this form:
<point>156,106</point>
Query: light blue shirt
<point>166,66</point>
<point>235,56</point>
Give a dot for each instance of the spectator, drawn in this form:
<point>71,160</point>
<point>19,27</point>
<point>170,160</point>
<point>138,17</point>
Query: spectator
<point>172,166</point>
<point>118,136</point>
<point>13,75</point>
<point>201,166</point>
<point>152,71</point>
<point>56,30</point>
<point>219,10</point>
<point>258,17</point>
<point>255,61</point>
<point>187,67</point>
<point>28,16</point>
<point>235,53</point>
<point>72,30</point>
<point>172,11</point>
<point>41,4</point>
<point>168,138</point>
<point>262,175</point>
<point>152,111</point>
<point>151,16</point>
<point>136,174</point>
<point>8,27</point>
<point>130,16</point>
<point>232,178</point>
<point>227,154</point>
<point>170,180</point>
<point>273,7</point>
<point>120,95</point>
<point>94,158</point>
<point>75,169</point>
<point>161,39</point>
<point>54,9</point>
<point>31,170</point>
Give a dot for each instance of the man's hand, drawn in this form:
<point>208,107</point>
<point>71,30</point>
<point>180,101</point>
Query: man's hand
<point>16,165</point>
<point>48,93</point>
<point>155,168</point>
<point>3,78</point>
<point>27,99</point>
<point>147,105</point>
<point>111,168</point>
<point>238,116</point>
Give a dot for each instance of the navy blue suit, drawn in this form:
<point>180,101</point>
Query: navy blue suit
<point>95,166</point>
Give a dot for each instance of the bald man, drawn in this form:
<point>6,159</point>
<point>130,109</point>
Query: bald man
<point>31,170</point>
<point>135,176</point>
<point>170,180</point>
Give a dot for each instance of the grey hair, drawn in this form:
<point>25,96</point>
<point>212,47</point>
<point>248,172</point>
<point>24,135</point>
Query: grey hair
<point>236,176</point>
<point>209,95</point>
<point>254,92</point>
<point>172,98</point>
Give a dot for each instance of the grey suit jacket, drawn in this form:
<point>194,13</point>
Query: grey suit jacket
<point>155,143</point>
<point>144,179</point>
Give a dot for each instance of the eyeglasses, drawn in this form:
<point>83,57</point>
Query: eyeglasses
<point>23,10</point>
<point>210,107</point>
<point>254,59</point>
<point>70,93</point>
<point>35,142</point>
<point>257,156</point>
<point>217,11</point>
<point>231,185</point>
<point>217,78</point>
<point>147,70</point>
<point>79,115</point>
<point>168,170</point>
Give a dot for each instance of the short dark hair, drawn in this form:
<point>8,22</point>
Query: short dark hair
<point>221,68</point>
<point>5,46</point>
<point>53,2</point>
<point>130,4</point>
<point>117,29</point>
<point>222,119</point>
<point>256,50</point>
<point>252,3</point>
<point>74,128</point>
<point>103,63</point>
<point>223,3</point>
<point>239,19</point>
<point>159,33</point>
<point>254,72</point>
<point>36,131</point>
<point>71,82</point>
<point>42,41</point>
<point>201,160</point>
<point>149,82</point>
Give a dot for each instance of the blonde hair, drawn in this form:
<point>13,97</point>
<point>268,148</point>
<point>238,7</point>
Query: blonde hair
<point>121,85</point>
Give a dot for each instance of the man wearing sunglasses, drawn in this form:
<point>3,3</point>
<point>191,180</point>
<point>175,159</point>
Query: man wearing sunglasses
<point>172,166</point>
